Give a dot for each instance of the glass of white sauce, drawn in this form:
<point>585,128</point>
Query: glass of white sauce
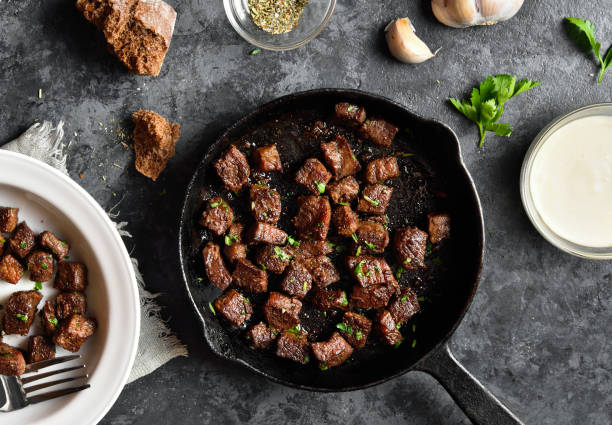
<point>566,182</point>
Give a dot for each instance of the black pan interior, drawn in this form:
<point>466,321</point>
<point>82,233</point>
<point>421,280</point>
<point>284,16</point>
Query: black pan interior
<point>433,179</point>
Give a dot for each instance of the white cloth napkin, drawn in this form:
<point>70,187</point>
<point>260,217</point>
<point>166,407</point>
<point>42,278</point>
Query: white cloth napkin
<point>157,344</point>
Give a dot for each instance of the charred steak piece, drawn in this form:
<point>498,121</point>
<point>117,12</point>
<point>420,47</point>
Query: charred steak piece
<point>267,159</point>
<point>69,303</point>
<point>233,247</point>
<point>215,267</point>
<point>404,306</point>
<point>355,328</point>
<point>375,199</point>
<point>324,299</point>
<point>233,168</point>
<point>274,258</point>
<point>345,220</point>
<point>250,277</point>
<point>265,233</point>
<point>322,270</point>
<point>40,265</point>
<point>372,237</point>
<point>313,176</point>
<point>313,248</point>
<point>12,362</point>
<point>410,245</point>
<point>234,307</point>
<point>22,241</point>
<point>265,204</point>
<point>332,352</point>
<point>349,114</point>
<point>381,169</point>
<point>373,296</point>
<point>313,217</point>
<point>217,216</point>
<point>371,271</point>
<point>40,348</point>
<point>71,276</point>
<point>58,248</point>
<point>8,219</point>
<point>340,158</point>
<point>378,131</point>
<point>297,280</point>
<point>11,269</point>
<point>439,226</point>
<point>282,312</point>
<point>261,336</point>
<point>343,191</point>
<point>387,328</point>
<point>48,318</point>
<point>293,346</point>
<point>73,332</point>
<point>20,311</point>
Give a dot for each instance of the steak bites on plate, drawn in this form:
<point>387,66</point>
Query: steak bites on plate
<point>319,232</point>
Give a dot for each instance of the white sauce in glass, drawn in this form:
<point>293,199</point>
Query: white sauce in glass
<point>571,181</point>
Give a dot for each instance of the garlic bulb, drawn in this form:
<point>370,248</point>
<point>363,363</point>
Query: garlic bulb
<point>404,44</point>
<point>467,13</point>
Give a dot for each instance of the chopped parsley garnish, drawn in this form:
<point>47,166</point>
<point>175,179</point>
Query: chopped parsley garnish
<point>294,330</point>
<point>306,359</point>
<point>344,299</point>
<point>212,309</point>
<point>292,241</point>
<point>358,251</point>
<point>279,253</point>
<point>404,298</point>
<point>408,261</point>
<point>215,204</point>
<point>343,203</point>
<point>23,245</point>
<point>44,266</point>
<point>359,268</point>
<point>428,248</point>
<point>350,108</point>
<point>399,272</point>
<point>283,310</point>
<point>398,343</point>
<point>263,267</point>
<point>200,279</point>
<point>62,242</point>
<point>22,317</point>
<point>320,186</point>
<point>413,343</point>
<point>354,236</point>
<point>345,328</point>
<point>320,224</point>
<point>75,310</point>
<point>252,205</point>
<point>53,321</point>
<point>404,154</point>
<point>398,325</point>
<point>370,245</point>
<point>374,202</point>
<point>255,52</point>
<point>358,335</point>
<point>414,327</point>
<point>323,366</point>
<point>305,286</point>
<point>2,240</point>
<point>230,239</point>
<point>38,286</point>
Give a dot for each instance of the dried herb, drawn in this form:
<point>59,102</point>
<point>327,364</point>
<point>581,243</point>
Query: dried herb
<point>277,16</point>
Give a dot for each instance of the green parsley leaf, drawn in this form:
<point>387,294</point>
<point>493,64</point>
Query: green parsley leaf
<point>44,266</point>
<point>291,241</point>
<point>399,272</point>
<point>215,204</point>
<point>22,317</point>
<point>408,261</point>
<point>323,366</point>
<point>23,245</point>
<point>262,267</point>
<point>212,309</point>
<point>486,104</point>
<point>413,343</point>
<point>354,236</point>
<point>350,108</point>
<point>359,268</point>
<point>358,251</point>
<point>200,279</point>
<point>405,155</point>
<point>404,298</point>
<point>341,326</point>
<point>345,328</point>
<point>370,245</point>
<point>583,34</point>
<point>374,202</point>
<point>62,242</point>
<point>53,321</point>
<point>344,299</point>
<point>398,343</point>
<point>305,286</point>
<point>320,186</point>
<point>255,52</point>
<point>38,286</point>
<point>230,239</point>
<point>307,358</point>
<point>358,335</point>
<point>280,253</point>
<point>398,325</point>
<point>343,203</point>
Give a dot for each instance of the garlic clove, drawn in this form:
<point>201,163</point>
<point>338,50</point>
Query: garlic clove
<point>404,44</point>
<point>467,13</point>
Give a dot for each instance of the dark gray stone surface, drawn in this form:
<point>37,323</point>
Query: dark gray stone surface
<point>538,333</point>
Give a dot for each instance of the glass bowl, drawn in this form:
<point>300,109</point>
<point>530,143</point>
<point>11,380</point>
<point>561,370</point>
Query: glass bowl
<point>595,253</point>
<point>315,17</point>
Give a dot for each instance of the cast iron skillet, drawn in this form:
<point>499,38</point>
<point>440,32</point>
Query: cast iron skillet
<point>436,167</point>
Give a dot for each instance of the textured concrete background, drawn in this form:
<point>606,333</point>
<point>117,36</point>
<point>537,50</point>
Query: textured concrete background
<point>538,333</point>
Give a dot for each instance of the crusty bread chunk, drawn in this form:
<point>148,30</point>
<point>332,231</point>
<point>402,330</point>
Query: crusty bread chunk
<point>138,32</point>
<point>154,141</point>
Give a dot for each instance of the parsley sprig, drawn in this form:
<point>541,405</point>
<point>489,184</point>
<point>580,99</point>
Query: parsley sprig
<point>582,32</point>
<point>486,104</point>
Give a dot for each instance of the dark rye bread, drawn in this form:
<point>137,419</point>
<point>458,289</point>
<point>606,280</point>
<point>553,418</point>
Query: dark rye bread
<point>154,141</point>
<point>138,32</point>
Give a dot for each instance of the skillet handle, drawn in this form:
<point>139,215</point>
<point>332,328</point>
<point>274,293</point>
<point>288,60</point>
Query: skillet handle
<point>478,403</point>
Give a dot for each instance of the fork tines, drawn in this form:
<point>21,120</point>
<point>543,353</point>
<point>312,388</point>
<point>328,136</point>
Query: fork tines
<point>34,367</point>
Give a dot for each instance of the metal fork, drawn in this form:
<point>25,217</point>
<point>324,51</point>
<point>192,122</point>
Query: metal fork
<point>14,391</point>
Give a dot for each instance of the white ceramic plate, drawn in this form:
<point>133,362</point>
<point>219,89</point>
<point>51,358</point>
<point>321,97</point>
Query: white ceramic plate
<point>48,200</point>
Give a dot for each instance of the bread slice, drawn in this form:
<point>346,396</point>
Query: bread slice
<point>154,141</point>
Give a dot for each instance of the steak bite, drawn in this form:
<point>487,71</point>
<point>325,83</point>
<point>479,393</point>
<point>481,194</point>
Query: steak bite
<point>404,306</point>
<point>9,218</point>
<point>265,233</point>
<point>349,114</point>
<point>322,270</point>
<point>373,296</point>
<point>313,217</point>
<point>48,319</point>
<point>355,328</point>
<point>12,362</point>
<point>381,169</point>
<point>265,204</point>
<point>372,236</point>
<point>40,348</point>
<point>343,191</point>
<point>215,267</point>
<point>324,299</point>
<point>234,248</point>
<point>282,312</point>
<point>261,335</point>
<point>40,265</point>
<point>371,271</point>
<point>58,248</point>
<point>69,303</point>
<point>313,248</point>
<point>233,168</point>
<point>439,226</point>
<point>71,276</point>
<point>250,277</point>
<point>340,158</point>
<point>378,131</point>
<point>234,307</point>
<point>375,199</point>
<point>22,241</point>
<point>20,311</point>
<point>313,176</point>
<point>274,258</point>
<point>293,346</point>
<point>297,280</point>
<point>332,352</point>
<point>387,328</point>
<point>11,269</point>
<point>345,220</point>
<point>267,159</point>
<point>409,246</point>
<point>73,332</point>
<point>217,216</point>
